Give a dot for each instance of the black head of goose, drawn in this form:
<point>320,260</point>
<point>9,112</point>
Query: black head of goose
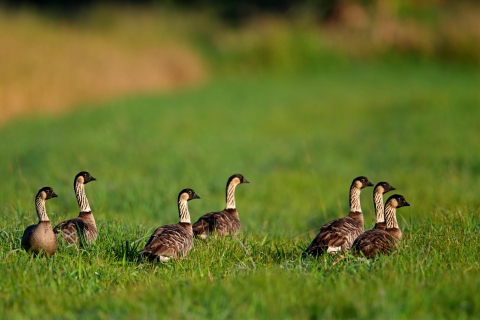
<point>83,227</point>
<point>380,189</point>
<point>172,241</point>
<point>339,234</point>
<point>379,241</point>
<point>222,222</point>
<point>39,238</point>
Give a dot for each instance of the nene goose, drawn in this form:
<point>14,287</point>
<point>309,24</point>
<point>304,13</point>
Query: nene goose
<point>222,222</point>
<point>83,228</point>
<point>39,238</point>
<point>339,234</point>
<point>172,240</point>
<point>380,189</point>
<point>378,241</point>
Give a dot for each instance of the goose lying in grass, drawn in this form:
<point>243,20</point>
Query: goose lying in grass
<point>83,227</point>
<point>39,238</point>
<point>172,241</point>
<point>378,241</point>
<point>223,222</point>
<point>339,234</point>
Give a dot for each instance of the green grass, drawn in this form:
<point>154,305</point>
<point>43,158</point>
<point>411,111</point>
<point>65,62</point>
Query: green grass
<point>300,141</point>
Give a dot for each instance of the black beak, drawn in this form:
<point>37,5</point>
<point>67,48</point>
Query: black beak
<point>92,178</point>
<point>245,181</point>
<point>195,196</point>
<point>369,184</point>
<point>406,204</point>
<point>392,188</point>
<point>54,195</point>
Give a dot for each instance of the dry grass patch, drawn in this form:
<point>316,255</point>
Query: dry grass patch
<point>49,65</point>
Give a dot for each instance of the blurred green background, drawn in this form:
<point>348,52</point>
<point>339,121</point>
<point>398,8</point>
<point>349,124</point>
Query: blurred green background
<point>299,96</point>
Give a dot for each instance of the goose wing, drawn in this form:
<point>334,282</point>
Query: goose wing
<point>70,229</point>
<point>169,240</point>
<point>374,242</point>
<point>202,226</point>
<point>335,235</point>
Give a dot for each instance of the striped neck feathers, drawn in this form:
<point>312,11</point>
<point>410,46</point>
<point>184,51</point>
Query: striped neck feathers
<point>355,199</point>
<point>231,194</point>
<point>82,197</point>
<point>41,210</point>
<point>390,216</point>
<point>183,213</point>
<point>378,203</point>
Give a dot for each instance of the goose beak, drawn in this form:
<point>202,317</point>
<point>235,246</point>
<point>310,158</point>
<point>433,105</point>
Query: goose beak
<point>92,178</point>
<point>369,184</point>
<point>245,181</point>
<point>196,196</point>
<point>54,195</point>
<point>406,204</point>
<point>392,188</point>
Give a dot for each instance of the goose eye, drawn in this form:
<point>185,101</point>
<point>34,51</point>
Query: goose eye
<point>363,180</point>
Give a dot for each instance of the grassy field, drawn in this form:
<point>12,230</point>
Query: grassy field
<point>299,140</point>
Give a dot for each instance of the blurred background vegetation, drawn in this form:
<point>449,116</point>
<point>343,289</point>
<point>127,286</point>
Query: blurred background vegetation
<point>57,54</point>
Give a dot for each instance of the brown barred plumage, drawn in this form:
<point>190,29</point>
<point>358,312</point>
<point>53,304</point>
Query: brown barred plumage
<point>39,238</point>
<point>83,227</point>
<point>377,241</point>
<point>339,234</point>
<point>172,241</point>
<point>223,222</point>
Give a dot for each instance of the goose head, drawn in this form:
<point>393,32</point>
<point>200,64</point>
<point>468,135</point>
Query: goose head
<point>237,179</point>
<point>83,177</point>
<point>398,201</point>
<point>187,195</point>
<point>383,187</point>
<point>361,182</point>
<point>46,193</point>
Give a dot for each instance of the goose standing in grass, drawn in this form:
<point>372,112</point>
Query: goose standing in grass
<point>39,237</point>
<point>82,228</point>
<point>172,240</point>
<point>378,241</point>
<point>339,234</point>
<point>223,222</point>
<point>380,189</point>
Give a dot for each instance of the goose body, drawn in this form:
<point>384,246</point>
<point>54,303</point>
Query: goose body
<point>172,241</point>
<point>382,241</point>
<point>82,227</point>
<point>39,238</point>
<point>339,234</point>
<point>222,222</point>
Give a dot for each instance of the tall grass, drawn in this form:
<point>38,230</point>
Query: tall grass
<point>299,141</point>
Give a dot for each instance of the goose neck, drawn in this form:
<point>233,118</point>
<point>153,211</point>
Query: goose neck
<point>41,210</point>
<point>82,197</point>
<point>230,195</point>
<point>183,211</point>
<point>378,203</point>
<point>355,199</point>
<point>390,216</point>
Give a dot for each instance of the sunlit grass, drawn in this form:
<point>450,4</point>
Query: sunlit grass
<point>299,141</point>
